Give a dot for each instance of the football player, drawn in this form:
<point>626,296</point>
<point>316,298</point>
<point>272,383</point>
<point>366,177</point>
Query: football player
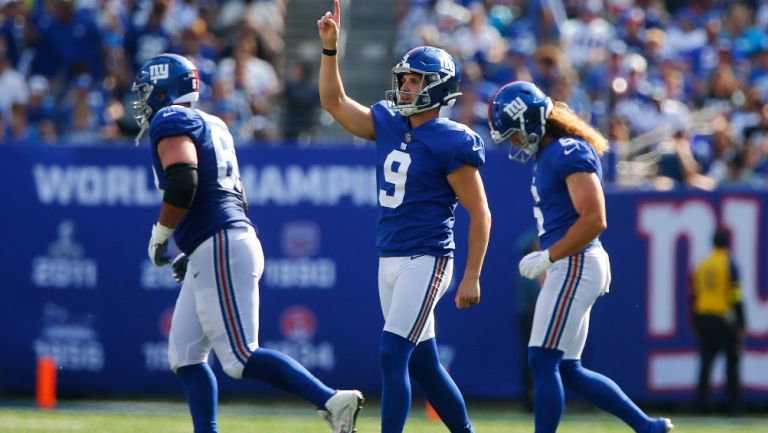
<point>204,207</point>
<point>425,164</point>
<point>569,208</point>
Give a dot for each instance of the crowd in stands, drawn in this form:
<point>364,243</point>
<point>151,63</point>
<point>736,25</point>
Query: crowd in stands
<point>679,87</point>
<point>67,66</point>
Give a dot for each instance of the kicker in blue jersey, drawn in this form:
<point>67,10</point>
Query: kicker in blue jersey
<point>416,202</point>
<point>425,166</point>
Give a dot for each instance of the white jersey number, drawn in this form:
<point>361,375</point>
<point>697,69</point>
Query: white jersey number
<point>396,176</point>
<point>536,210</point>
<point>228,175</point>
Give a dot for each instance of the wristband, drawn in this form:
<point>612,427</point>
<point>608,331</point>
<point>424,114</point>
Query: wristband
<point>161,233</point>
<point>327,52</point>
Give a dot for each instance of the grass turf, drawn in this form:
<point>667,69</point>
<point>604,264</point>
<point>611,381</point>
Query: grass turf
<point>260,417</point>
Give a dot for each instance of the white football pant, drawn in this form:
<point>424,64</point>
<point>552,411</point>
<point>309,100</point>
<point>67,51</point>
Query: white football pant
<point>572,285</point>
<point>409,289</point>
<point>218,305</point>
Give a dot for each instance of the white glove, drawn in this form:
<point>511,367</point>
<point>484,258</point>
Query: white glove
<point>179,267</point>
<point>534,264</point>
<point>158,244</point>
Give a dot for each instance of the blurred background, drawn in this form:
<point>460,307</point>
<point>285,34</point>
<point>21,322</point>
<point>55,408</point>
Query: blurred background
<point>679,88</point>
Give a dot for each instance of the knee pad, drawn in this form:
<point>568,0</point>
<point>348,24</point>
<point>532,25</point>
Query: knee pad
<point>233,369</point>
<point>173,362</point>
<point>176,362</point>
<point>180,357</point>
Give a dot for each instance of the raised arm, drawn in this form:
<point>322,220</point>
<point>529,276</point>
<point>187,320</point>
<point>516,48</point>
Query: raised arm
<point>354,117</point>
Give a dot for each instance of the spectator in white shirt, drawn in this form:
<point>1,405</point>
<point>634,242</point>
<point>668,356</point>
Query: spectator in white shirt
<point>13,85</point>
<point>586,37</point>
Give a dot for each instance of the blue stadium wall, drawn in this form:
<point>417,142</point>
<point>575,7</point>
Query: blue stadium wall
<point>76,283</point>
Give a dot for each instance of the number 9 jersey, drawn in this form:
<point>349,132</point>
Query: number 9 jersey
<point>219,200</point>
<point>416,202</point>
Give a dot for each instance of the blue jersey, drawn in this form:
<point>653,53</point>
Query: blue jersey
<point>219,201</point>
<point>416,202</point>
<point>553,208</point>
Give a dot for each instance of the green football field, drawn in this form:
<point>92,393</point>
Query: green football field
<point>260,417</point>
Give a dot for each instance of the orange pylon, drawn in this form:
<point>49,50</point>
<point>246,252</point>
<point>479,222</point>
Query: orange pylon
<point>46,383</point>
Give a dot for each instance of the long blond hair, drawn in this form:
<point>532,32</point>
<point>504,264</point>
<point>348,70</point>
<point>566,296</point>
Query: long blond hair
<point>564,121</point>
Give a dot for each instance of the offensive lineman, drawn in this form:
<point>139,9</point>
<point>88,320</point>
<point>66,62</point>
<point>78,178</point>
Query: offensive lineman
<point>425,164</point>
<point>204,206</point>
<point>569,208</point>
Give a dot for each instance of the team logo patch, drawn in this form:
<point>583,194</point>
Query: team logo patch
<point>158,72</point>
<point>447,65</point>
<point>516,109</point>
<point>70,338</point>
<point>65,266</point>
<point>298,323</point>
<point>300,238</point>
<point>65,246</point>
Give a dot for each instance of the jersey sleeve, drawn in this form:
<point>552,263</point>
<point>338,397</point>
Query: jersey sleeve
<point>173,121</point>
<point>576,156</point>
<point>467,149</point>
<point>472,152</point>
<point>382,115</point>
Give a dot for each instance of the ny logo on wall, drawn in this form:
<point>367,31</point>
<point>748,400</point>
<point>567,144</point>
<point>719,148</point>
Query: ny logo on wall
<point>665,224</point>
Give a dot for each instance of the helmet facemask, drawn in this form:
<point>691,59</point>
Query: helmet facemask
<point>142,112</point>
<point>523,146</point>
<point>421,101</point>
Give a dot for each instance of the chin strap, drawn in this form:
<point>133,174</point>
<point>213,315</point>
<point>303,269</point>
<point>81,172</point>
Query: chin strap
<point>137,140</point>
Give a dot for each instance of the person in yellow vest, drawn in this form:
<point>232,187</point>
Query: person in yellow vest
<point>718,320</point>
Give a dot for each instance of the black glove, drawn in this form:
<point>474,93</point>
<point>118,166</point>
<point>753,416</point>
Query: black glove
<point>179,267</point>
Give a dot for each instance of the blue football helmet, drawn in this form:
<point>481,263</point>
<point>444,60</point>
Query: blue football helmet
<point>440,80</point>
<point>164,80</point>
<point>518,112</point>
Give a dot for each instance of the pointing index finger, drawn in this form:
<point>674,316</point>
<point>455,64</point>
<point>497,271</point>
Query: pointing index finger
<point>337,12</point>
